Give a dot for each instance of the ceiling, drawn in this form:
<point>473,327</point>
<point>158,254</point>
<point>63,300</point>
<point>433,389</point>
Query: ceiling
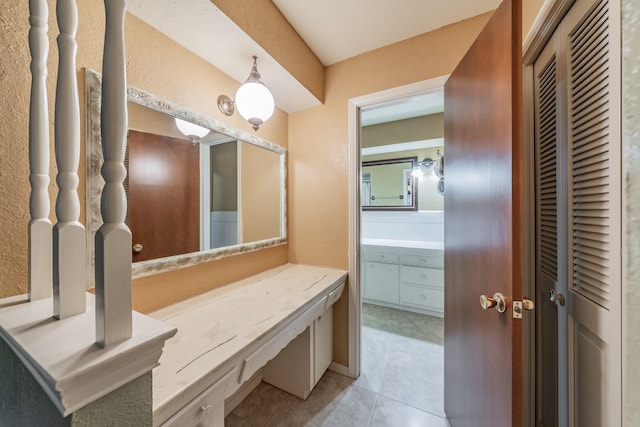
<point>340,29</point>
<point>334,29</point>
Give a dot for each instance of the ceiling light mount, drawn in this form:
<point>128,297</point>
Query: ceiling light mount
<point>226,105</point>
<point>253,100</point>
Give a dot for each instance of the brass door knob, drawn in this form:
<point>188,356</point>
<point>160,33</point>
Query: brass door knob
<point>498,301</point>
<point>137,248</point>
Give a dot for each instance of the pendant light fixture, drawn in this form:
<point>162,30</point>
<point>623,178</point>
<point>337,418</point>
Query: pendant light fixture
<point>253,100</point>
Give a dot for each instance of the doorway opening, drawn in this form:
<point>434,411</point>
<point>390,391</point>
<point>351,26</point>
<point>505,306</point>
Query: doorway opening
<point>396,244</point>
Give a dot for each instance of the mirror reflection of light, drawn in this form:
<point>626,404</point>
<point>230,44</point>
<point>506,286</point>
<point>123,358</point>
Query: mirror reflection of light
<point>191,130</point>
<point>151,170</point>
<point>417,171</point>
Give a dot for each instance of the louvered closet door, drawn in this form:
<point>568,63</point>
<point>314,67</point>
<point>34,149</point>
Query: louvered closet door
<point>551,338</point>
<point>586,51</point>
<point>594,213</point>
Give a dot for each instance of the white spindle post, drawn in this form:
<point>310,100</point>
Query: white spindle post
<point>69,245</point>
<point>40,244</point>
<point>113,238</point>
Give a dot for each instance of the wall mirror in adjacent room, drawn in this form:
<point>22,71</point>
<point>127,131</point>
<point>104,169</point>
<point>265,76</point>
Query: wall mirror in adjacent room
<point>389,185</point>
<point>195,193</point>
<point>406,128</point>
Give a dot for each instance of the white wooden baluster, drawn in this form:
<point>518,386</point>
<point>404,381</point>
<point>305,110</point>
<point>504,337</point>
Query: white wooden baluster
<point>69,247</point>
<point>113,238</point>
<point>40,244</point>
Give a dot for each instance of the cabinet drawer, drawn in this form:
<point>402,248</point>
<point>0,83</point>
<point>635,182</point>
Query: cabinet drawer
<point>385,257</point>
<point>208,408</point>
<point>423,297</point>
<point>431,261</point>
<point>422,276</point>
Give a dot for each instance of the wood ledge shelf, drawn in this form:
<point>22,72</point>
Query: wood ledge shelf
<point>63,357</point>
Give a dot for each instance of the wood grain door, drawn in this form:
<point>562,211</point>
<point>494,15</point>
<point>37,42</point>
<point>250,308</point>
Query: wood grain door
<point>164,195</point>
<point>483,227</point>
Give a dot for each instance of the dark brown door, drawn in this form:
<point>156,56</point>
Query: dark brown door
<point>483,227</point>
<point>164,195</point>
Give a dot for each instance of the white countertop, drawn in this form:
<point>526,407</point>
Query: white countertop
<point>415,244</point>
<point>217,326</point>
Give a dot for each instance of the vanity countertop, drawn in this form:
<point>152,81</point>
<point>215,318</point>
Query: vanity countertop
<point>414,244</point>
<point>218,327</point>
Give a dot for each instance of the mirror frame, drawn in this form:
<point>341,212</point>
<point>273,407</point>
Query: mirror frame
<point>414,184</point>
<point>95,182</point>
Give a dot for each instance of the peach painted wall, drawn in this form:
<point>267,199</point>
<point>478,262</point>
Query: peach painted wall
<point>530,9</point>
<point>155,64</point>
<point>319,146</point>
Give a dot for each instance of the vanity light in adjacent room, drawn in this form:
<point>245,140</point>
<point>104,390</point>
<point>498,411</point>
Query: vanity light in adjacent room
<point>253,100</point>
<point>417,169</point>
<point>191,130</point>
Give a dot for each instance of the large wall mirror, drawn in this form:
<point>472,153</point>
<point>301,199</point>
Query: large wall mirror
<point>191,198</point>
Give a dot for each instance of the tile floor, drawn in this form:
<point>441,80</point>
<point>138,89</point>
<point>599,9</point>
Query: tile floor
<point>401,384</point>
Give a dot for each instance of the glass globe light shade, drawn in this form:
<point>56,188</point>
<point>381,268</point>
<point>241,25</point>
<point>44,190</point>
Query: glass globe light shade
<point>417,171</point>
<point>255,103</point>
<point>191,130</point>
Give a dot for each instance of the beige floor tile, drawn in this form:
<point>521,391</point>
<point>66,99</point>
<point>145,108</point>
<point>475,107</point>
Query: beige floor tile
<point>401,383</point>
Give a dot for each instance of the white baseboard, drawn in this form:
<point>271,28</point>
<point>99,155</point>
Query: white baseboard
<point>339,369</point>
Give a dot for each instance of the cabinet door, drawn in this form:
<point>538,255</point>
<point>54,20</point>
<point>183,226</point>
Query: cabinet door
<point>381,282</point>
<point>323,343</point>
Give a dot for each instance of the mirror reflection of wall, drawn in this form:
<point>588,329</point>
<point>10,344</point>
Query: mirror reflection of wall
<point>223,209</point>
<point>420,137</point>
<point>261,197</point>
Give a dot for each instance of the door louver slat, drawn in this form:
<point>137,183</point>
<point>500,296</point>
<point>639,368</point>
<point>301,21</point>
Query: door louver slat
<point>547,167</point>
<point>590,142</point>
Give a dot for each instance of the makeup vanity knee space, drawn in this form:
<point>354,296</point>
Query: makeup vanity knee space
<point>275,325</point>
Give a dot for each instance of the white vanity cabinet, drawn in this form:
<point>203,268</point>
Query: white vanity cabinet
<point>311,353</point>
<point>276,326</point>
<point>408,278</point>
<point>381,278</point>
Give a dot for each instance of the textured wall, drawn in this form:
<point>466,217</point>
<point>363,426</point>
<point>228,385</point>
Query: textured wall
<point>14,104</point>
<point>155,64</point>
<point>631,200</point>
<point>24,403</point>
<point>129,405</point>
<point>22,400</point>
<point>530,9</point>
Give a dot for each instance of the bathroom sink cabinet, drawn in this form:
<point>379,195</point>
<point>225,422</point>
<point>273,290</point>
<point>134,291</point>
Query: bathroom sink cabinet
<point>405,278</point>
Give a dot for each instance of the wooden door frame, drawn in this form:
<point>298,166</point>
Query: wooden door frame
<point>355,295</point>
